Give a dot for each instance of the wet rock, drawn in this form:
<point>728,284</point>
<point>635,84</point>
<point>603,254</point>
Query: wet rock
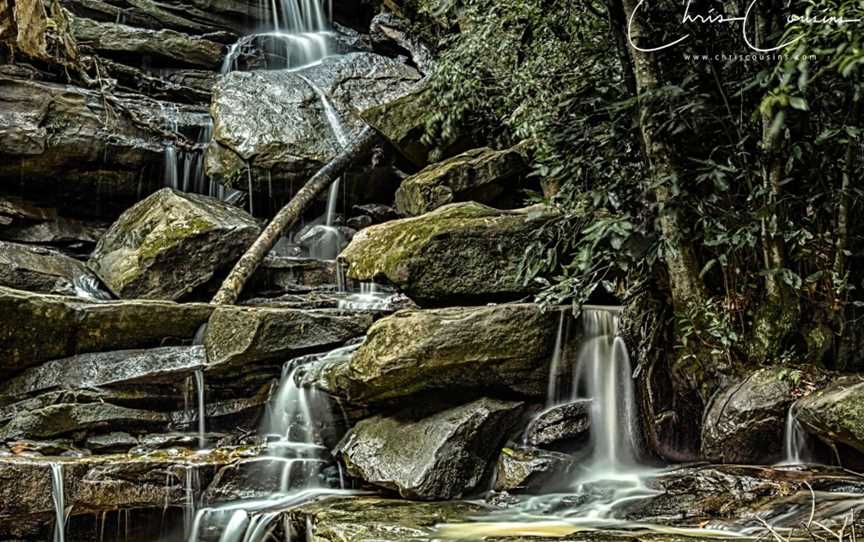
<point>65,419</point>
<point>275,122</point>
<point>505,348</point>
<point>181,86</point>
<point>744,422</point>
<point>426,456</point>
<point>166,46</point>
<point>35,328</point>
<point>483,175</point>
<point>166,365</point>
<point>67,234</point>
<point>388,29</point>
<point>171,243</point>
<point>560,425</point>
<point>56,447</point>
<point>462,252</point>
<point>402,122</point>
<point>87,151</point>
<point>285,274</point>
<point>836,413</point>
<point>377,212</point>
<point>356,519</point>
<point>111,442</point>
<point>238,336</point>
<point>38,269</point>
<point>521,469</point>
<point>96,484</point>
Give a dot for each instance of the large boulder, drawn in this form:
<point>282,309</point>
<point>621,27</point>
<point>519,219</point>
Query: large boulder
<point>35,328</point>
<point>274,122</point>
<point>483,175</point>
<point>82,150</point>
<point>170,243</point>
<point>423,456</point>
<point>238,336</point>
<point>67,419</point>
<point>39,269</point>
<point>836,413</point>
<point>744,422</point>
<point>463,251</point>
<point>505,348</point>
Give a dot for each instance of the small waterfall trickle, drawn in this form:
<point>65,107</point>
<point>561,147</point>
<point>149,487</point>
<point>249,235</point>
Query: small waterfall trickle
<point>371,297</point>
<point>57,494</point>
<point>87,287</point>
<point>555,367</point>
<point>795,446</point>
<point>202,408</point>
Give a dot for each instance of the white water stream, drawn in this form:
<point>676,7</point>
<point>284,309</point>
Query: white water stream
<point>57,495</point>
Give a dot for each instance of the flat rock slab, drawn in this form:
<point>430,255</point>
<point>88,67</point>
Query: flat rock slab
<point>169,364</point>
<point>464,253</point>
<point>35,328</point>
<point>499,347</point>
<point>170,243</point>
<point>66,419</point>
<point>238,336</point>
<point>423,456</point>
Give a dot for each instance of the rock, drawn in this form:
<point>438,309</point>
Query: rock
<point>35,328</point>
<point>166,365</point>
<point>111,442</point>
<point>99,483</point>
<point>238,336</point>
<point>560,425</point>
<point>377,212</point>
<point>496,348</point>
<point>425,456</point>
<point>64,233</point>
<point>38,269</point>
<point>836,413</point>
<point>65,419</point>
<point>387,28</point>
<point>357,519</point>
<point>462,252</point>
<point>293,275</point>
<point>483,175</point>
<point>274,122</point>
<point>56,447</point>
<point>402,122</point>
<point>171,243</point>
<point>166,46</point>
<point>521,469</point>
<point>88,152</point>
<point>744,422</point>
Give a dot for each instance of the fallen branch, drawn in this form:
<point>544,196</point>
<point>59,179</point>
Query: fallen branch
<point>288,215</point>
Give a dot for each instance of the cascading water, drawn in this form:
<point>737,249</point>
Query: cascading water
<point>604,375</point>
<point>296,425</point>
<point>202,408</point>
<point>795,448</point>
<point>57,494</point>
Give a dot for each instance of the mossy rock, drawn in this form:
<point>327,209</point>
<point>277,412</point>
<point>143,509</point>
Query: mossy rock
<point>836,413</point>
<point>484,175</point>
<point>503,348</point>
<point>171,243</point>
<point>463,252</point>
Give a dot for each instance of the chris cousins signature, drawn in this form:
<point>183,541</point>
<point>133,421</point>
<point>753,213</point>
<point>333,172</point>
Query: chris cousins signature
<point>716,18</point>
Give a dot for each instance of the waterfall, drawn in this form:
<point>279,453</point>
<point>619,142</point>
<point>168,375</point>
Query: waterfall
<point>59,502</point>
<point>552,392</point>
<point>296,419</point>
<point>87,287</point>
<point>371,297</point>
<point>795,449</point>
<point>603,373</point>
<point>202,408</point>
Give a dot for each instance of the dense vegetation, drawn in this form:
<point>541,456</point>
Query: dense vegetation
<point>717,180</point>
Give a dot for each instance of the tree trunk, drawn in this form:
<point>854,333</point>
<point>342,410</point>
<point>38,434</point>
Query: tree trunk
<point>288,215</point>
<point>685,285</point>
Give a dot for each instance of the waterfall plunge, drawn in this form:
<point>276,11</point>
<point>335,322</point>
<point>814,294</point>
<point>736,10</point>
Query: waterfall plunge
<point>795,448</point>
<point>57,494</point>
